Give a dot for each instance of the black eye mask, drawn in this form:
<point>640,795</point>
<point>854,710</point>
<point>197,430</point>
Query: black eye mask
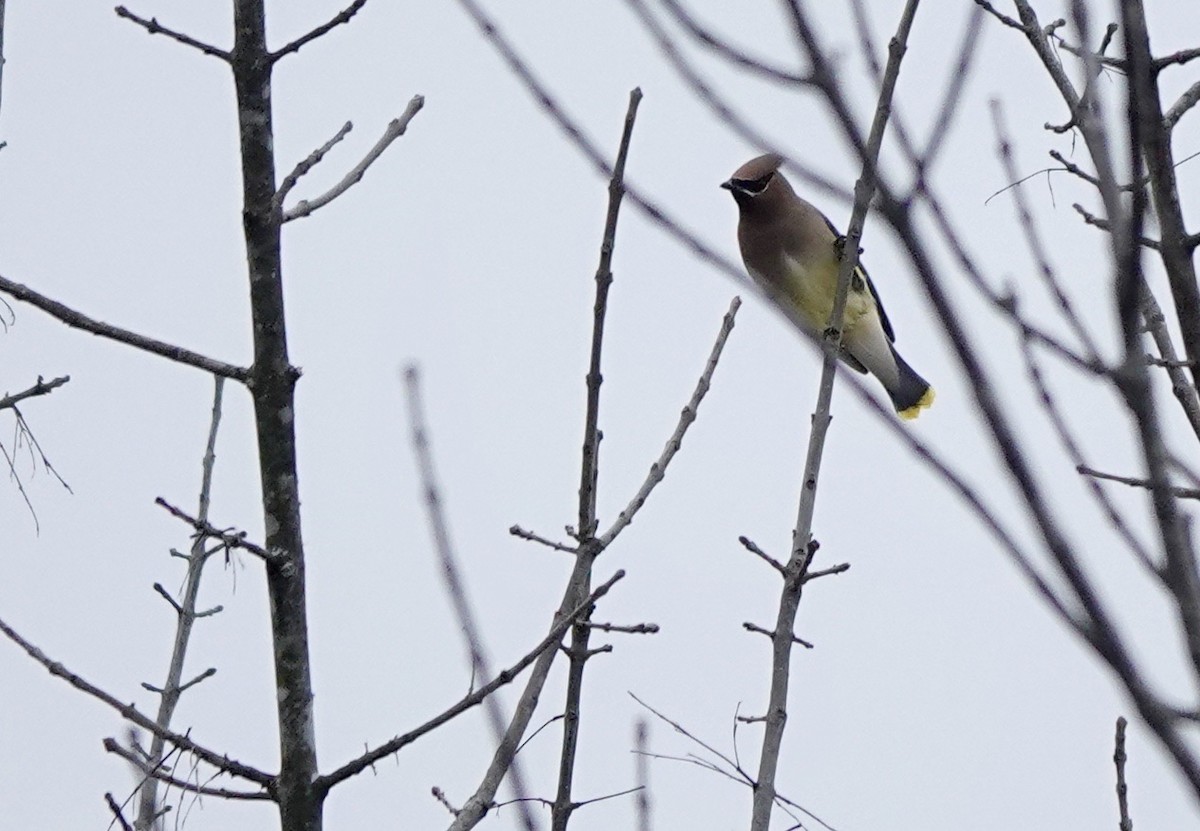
<point>753,187</point>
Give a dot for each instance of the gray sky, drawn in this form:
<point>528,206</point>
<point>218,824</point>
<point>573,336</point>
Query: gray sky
<point>941,693</point>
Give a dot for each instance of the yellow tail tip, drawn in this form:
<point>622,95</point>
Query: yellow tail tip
<point>926,401</point>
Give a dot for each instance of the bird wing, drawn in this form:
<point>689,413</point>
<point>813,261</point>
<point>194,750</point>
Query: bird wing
<point>862,272</point>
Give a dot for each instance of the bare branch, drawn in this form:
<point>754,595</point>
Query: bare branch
<point>1180,57</point>
<point>131,714</point>
<point>78,320</point>
<point>753,548</point>
<point>1185,392</point>
<point>40,388</point>
<point>440,796</point>
<point>589,473</point>
<point>728,51</point>
<point>341,17</point>
<point>109,799</point>
<point>23,436</point>
<point>1137,482</point>
<point>186,616</point>
<point>518,531</point>
<point>629,629</point>
<point>590,462</point>
<point>1151,144</point>
<point>686,417</point>
<point>725,114</point>
<point>1119,759</point>
<point>1104,225</point>
<point>480,666</point>
<point>802,550</point>
<point>732,769</point>
<point>308,164</point>
<point>641,741</point>
<point>967,52</point>
<point>1185,102</point>
<point>1036,247</point>
<point>546,646</point>
<point>155,28</point>
<point>228,538</point>
<point>840,568</point>
<point>2,144</point>
<point>396,128</point>
<point>598,159</point>
<point>1071,448</point>
<point>157,772</point>
<point>1003,18</point>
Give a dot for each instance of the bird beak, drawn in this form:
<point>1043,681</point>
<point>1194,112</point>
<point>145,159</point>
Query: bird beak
<point>728,185</point>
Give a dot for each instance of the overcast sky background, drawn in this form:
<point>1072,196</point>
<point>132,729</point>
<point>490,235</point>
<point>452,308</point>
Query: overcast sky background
<point>941,693</point>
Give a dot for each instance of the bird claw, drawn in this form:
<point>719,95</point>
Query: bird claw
<point>839,245</point>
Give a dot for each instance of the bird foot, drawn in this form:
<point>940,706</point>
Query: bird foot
<point>839,246</point>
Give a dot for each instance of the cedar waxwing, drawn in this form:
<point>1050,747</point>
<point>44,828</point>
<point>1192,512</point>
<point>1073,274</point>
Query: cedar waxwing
<point>793,251</point>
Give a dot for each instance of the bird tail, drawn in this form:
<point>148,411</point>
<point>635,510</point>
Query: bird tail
<point>912,393</point>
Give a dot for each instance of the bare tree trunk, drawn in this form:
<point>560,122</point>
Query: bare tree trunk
<point>272,385</point>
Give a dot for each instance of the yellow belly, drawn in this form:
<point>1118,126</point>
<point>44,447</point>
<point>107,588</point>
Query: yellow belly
<point>812,288</point>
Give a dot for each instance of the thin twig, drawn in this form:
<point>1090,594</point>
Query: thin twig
<point>1181,57</point>
<point>157,773</point>
<point>1003,18</point>
<point>1183,389</point>
<point>2,55</point>
<point>751,546</point>
<point>688,415</point>
<point>546,646</point>
<point>518,531</point>
<point>1137,482</point>
<point>589,473</point>
<point>728,51</point>
<point>308,164</point>
<point>1185,102</point>
<point>78,320</point>
<point>40,388</point>
<point>341,17</point>
<point>1093,623</point>
<point>395,128</point>
<point>1104,225</point>
<point>1119,759</point>
<point>451,575</point>
<point>534,734</point>
<point>732,770</point>
<point>722,110</point>
<point>940,130</point>
<point>591,151</point>
<point>10,463</point>
<point>131,714</point>
<point>628,629</point>
<point>109,799</point>
<point>802,550</point>
<point>155,28</point>
<point>641,775</point>
<point>205,530</point>
<point>1034,242</point>
<point>1067,441</point>
<point>1150,144</point>
<point>186,615</point>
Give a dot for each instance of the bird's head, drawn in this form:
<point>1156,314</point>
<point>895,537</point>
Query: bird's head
<point>757,182</point>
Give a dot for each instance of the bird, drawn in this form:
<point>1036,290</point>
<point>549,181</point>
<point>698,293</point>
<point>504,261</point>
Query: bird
<point>793,252</point>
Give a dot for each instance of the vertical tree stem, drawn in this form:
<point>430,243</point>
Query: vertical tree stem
<point>589,546</point>
<point>272,385</point>
<point>782,641</point>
